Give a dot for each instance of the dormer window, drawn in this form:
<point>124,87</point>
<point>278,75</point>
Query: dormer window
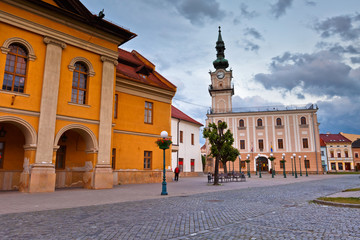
<point>142,75</point>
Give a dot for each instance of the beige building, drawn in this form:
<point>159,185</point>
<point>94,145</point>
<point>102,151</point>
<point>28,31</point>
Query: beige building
<point>262,132</point>
<point>339,152</point>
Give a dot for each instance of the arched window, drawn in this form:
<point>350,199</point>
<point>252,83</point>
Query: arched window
<point>259,122</point>
<point>241,123</point>
<point>219,122</point>
<point>303,120</point>
<point>278,122</point>
<point>15,69</point>
<point>79,84</point>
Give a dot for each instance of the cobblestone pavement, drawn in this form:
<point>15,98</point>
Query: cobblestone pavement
<point>276,212</point>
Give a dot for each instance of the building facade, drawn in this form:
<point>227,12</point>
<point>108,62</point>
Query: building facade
<point>186,145</point>
<point>260,132</point>
<point>324,160</point>
<point>71,113</point>
<point>339,152</point>
<point>356,152</point>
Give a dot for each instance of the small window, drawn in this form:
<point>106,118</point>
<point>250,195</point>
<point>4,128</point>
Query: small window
<point>242,144</point>
<point>192,139</point>
<point>181,136</point>
<point>142,76</point>
<point>340,166</point>
<point>259,122</point>
<point>346,154</point>
<point>147,159</point>
<point>116,102</point>
<point>278,122</point>
<point>280,144</point>
<point>192,162</point>
<point>303,120</point>
<point>339,154</point>
<point>113,158</point>
<point>148,117</point>
<point>307,163</point>
<point>241,123</point>
<point>305,143</point>
<point>79,84</point>
<point>15,69</point>
<point>356,155</point>
<point>181,164</point>
<point>243,164</point>
<point>322,153</point>
<point>333,166</point>
<point>282,164</point>
<point>60,157</point>
<point>261,144</point>
<point>2,150</point>
<point>332,154</point>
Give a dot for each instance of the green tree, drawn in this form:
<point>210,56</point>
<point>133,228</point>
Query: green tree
<point>229,155</point>
<point>221,144</point>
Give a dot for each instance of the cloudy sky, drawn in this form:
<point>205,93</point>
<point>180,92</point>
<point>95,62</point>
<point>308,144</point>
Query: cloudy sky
<point>288,52</point>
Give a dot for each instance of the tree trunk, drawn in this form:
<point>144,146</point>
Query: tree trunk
<point>225,167</point>
<point>216,172</point>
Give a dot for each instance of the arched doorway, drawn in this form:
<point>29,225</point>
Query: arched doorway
<point>75,157</point>
<point>263,162</point>
<point>17,151</point>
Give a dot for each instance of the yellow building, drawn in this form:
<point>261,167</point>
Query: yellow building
<point>58,98</point>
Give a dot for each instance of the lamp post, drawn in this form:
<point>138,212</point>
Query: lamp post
<point>300,166</point>
<point>271,158</point>
<point>283,162</point>
<point>259,166</point>
<point>248,165</point>
<point>164,135</point>
<point>305,166</point>
<point>294,158</point>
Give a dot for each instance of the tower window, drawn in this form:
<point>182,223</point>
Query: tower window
<point>241,123</point>
<point>259,122</point>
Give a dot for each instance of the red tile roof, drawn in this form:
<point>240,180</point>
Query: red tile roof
<point>130,65</point>
<point>334,138</point>
<point>176,113</point>
<point>322,143</point>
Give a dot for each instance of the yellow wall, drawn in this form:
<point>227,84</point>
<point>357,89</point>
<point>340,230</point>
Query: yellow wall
<point>130,147</point>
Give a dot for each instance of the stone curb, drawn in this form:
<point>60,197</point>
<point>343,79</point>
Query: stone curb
<point>337,204</point>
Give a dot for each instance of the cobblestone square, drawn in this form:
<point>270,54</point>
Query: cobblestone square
<point>271,212</point>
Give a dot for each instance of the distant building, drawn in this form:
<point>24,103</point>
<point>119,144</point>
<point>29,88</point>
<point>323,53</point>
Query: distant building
<point>350,136</point>
<point>186,145</point>
<point>323,155</point>
<point>356,152</point>
<point>339,152</point>
<point>260,132</point>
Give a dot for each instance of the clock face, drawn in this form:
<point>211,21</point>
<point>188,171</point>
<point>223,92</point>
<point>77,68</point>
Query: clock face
<point>220,75</point>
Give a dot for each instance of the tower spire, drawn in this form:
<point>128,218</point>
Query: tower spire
<point>220,62</point>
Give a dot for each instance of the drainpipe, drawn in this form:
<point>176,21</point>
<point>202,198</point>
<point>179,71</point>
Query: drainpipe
<point>316,157</point>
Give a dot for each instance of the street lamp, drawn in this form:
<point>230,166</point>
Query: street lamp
<point>164,135</point>
<point>283,162</point>
<point>292,166</point>
<point>259,165</point>
<point>248,165</point>
<point>300,166</point>
<point>294,158</point>
<point>271,158</point>
<point>305,166</point>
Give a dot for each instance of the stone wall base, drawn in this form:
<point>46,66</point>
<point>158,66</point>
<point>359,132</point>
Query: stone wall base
<point>42,178</point>
<point>103,177</point>
<point>192,174</point>
<point>138,176</point>
<point>10,180</point>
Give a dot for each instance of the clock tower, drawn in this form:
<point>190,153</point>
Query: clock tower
<point>221,89</point>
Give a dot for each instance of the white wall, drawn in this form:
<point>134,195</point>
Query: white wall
<point>186,150</point>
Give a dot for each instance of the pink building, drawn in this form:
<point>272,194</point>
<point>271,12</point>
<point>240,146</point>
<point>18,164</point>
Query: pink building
<point>265,131</point>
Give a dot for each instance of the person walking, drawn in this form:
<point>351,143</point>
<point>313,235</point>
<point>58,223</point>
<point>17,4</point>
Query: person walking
<point>177,171</point>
